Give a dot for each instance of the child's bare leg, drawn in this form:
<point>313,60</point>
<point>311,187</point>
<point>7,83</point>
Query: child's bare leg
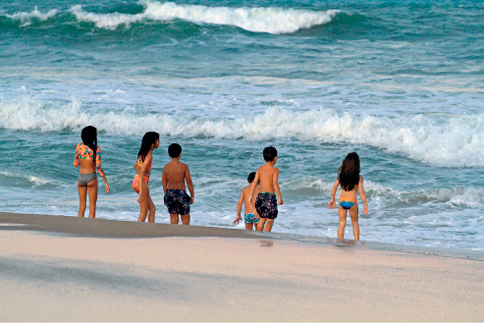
<point>82,199</point>
<point>342,223</point>
<point>92,189</point>
<point>269,224</point>
<point>143,206</point>
<point>260,225</point>
<point>354,221</point>
<point>185,219</point>
<point>174,218</point>
<point>151,209</point>
<point>249,226</point>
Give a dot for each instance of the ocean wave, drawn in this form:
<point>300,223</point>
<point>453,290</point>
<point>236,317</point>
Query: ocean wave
<point>376,193</point>
<point>34,180</point>
<point>456,141</point>
<point>272,20</point>
<point>26,18</point>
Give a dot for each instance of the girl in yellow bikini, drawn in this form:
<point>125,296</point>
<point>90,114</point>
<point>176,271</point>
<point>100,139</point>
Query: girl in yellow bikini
<point>150,141</point>
<point>350,180</point>
<point>88,156</point>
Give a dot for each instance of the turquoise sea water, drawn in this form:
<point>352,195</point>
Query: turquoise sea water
<point>399,82</point>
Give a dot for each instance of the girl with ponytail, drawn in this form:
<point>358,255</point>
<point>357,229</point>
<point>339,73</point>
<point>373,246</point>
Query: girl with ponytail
<point>88,155</point>
<point>150,141</point>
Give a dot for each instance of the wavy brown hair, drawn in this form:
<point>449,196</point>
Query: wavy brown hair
<point>349,172</point>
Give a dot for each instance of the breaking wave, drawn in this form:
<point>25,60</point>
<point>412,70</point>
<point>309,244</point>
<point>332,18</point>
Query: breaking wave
<point>451,142</point>
<point>258,19</point>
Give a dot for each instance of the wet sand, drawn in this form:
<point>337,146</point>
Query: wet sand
<point>55,268</point>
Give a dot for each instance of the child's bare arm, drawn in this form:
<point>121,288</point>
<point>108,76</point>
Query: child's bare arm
<point>275,182</point>
<point>76,159</point>
<point>363,195</point>
<point>164,180</point>
<point>332,203</point>
<point>253,186</point>
<point>239,208</point>
<point>190,185</point>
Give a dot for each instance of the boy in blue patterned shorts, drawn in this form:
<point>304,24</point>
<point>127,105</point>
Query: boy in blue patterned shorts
<point>267,177</point>
<point>176,198</point>
<point>250,216</point>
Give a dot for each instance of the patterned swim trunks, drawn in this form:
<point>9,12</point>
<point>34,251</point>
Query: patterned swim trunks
<point>266,205</point>
<point>177,201</point>
<point>250,218</point>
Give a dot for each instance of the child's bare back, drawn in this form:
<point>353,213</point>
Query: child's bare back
<point>175,173</point>
<point>246,193</point>
<point>268,174</point>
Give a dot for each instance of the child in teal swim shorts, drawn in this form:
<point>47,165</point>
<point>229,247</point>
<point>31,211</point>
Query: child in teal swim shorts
<point>251,218</point>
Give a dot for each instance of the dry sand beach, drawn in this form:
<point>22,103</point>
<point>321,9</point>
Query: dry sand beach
<point>55,268</point>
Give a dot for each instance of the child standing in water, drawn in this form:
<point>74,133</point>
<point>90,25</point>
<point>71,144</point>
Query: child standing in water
<point>88,155</point>
<point>267,177</point>
<point>150,141</point>
<point>174,176</point>
<point>350,180</point>
<point>250,216</point>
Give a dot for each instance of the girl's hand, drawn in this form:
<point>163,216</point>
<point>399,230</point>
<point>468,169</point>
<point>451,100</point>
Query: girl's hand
<point>140,199</point>
<point>365,210</point>
<point>332,204</point>
<point>107,188</point>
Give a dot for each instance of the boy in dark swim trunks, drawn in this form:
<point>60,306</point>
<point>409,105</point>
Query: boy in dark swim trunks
<point>251,218</point>
<point>267,177</point>
<point>176,198</point>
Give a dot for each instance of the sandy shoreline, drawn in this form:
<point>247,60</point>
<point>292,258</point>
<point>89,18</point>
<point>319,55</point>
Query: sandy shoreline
<point>55,268</point>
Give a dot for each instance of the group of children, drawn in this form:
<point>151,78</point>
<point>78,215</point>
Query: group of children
<point>175,175</point>
<point>260,197</point>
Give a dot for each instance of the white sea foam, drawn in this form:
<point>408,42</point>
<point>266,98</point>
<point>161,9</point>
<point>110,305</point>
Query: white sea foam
<point>27,17</point>
<point>456,141</point>
<point>376,192</point>
<point>269,20</point>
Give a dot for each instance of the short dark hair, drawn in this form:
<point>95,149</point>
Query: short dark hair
<point>269,153</point>
<point>251,177</point>
<point>174,150</point>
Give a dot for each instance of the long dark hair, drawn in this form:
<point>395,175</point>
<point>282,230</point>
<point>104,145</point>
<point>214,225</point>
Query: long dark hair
<point>89,138</point>
<point>349,172</point>
<point>147,143</point>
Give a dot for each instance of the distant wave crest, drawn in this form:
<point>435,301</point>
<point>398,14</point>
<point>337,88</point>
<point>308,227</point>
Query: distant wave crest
<point>259,19</point>
<point>26,18</point>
